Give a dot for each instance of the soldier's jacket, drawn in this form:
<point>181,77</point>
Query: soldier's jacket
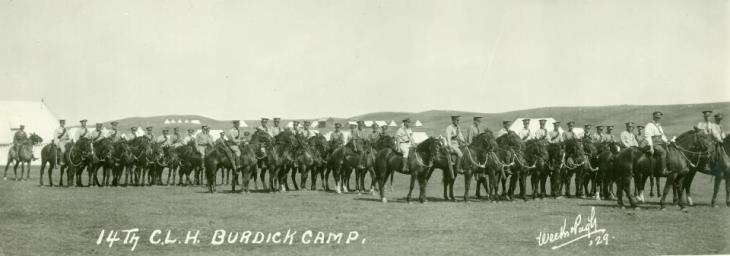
<point>234,136</point>
<point>175,139</point>
<point>404,135</point>
<point>597,137</point>
<point>203,139</point>
<point>357,134</point>
<point>541,134</point>
<point>587,135</point>
<point>453,134</point>
<point>373,137</point>
<point>275,131</point>
<point>608,138</point>
<point>569,135</point>
<point>114,135</point>
<point>338,137</point>
<point>525,134</point>
<point>95,135</point>
<point>164,140</point>
<point>554,137</point>
<point>187,139</point>
<point>472,132</point>
<point>705,126</point>
<point>628,139</point>
<point>83,132</point>
<point>502,131</point>
<point>20,137</point>
<point>641,140</point>
<point>61,134</point>
<point>307,133</point>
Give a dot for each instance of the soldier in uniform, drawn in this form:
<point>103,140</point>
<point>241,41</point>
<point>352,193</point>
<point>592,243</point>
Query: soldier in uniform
<point>221,140</point>
<point>706,124</point>
<point>628,139</point>
<point>504,130</point>
<point>657,141</point>
<point>149,135</point>
<point>554,136</point>
<point>234,140</point>
<point>265,126</point>
<point>295,128</point>
<point>597,137</point>
<point>20,136</point>
<point>587,133</point>
<point>114,133</point>
<point>133,133</point>
<point>375,135</point>
<point>384,130</point>
<point>608,137</point>
<point>454,139</point>
<point>358,135</point>
<point>203,140</point>
<point>307,133</point>
<point>164,139</point>
<point>61,138</point>
<point>569,134</point>
<point>83,130</point>
<point>525,133</point>
<point>404,137</point>
<point>175,138</point>
<point>716,130</point>
<point>473,130</point>
<point>189,137</point>
<point>541,133</point>
<point>97,134</point>
<point>276,129</point>
<point>337,138</point>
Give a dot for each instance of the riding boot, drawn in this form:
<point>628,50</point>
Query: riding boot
<point>457,165</point>
<point>405,166</point>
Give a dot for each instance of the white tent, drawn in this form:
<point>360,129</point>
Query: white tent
<point>418,123</point>
<point>166,121</point>
<point>186,121</point>
<point>368,123</point>
<point>381,123</point>
<point>419,137</point>
<point>179,121</point>
<point>195,121</point>
<point>392,124</point>
<point>351,123</point>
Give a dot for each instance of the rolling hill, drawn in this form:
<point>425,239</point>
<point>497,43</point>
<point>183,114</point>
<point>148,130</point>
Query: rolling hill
<point>677,118</point>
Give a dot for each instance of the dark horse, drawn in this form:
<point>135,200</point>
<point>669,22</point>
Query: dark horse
<point>343,160</point>
<point>103,159</point>
<point>218,156</point>
<point>246,166</point>
<point>536,152</point>
<point>578,164</point>
<point>555,166</point>
<point>22,154</point>
<point>512,148</point>
<point>420,163</point>
<point>188,160</point>
<point>319,149</point>
<point>77,157</point>
<point>50,156</point>
<point>706,151</point>
<point>124,162</point>
<point>475,160</point>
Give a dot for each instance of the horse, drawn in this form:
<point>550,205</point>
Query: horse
<point>704,150</point>
<point>537,153</point>
<point>512,147</point>
<point>303,160</point>
<point>343,160</point>
<point>555,167</point>
<point>605,177</point>
<point>576,164</point>
<point>590,178</point>
<point>246,166</point>
<point>259,141</point>
<point>158,162</point>
<point>143,159</point>
<point>49,155</point>
<point>124,160</point>
<point>78,156</point>
<point>475,161</point>
<point>320,149</point>
<point>22,154</point>
<point>103,151</point>
<point>367,166</point>
<point>420,163</point>
<point>218,156</point>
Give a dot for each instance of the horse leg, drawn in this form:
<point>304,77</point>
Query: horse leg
<point>410,190</point>
<point>390,187</point>
<point>523,185</point>
<point>15,171</point>
<point>687,184</point>
<point>512,183</point>
<point>422,182</point>
<point>727,189</point>
<point>294,171</point>
<point>620,196</point>
<point>667,186</point>
<point>626,189</point>
<point>304,176</point>
<point>5,175</point>
<point>43,166</point>
<point>467,183</point>
<point>716,189</point>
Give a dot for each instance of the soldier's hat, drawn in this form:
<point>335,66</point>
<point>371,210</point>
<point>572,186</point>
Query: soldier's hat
<point>99,124</point>
<point>360,122</point>
<point>374,125</point>
<point>455,117</point>
<point>526,120</point>
<point>204,127</point>
<point>222,133</point>
<point>640,126</point>
<point>609,126</point>
<point>264,119</point>
<point>707,112</point>
<point>542,120</point>
<point>175,128</point>
<point>571,123</point>
<point>407,120</point>
<point>83,121</point>
<point>134,128</point>
<point>114,123</point>
<point>476,118</point>
<point>338,125</point>
<point>21,126</point>
<point>306,122</point>
<point>719,115</point>
<point>556,123</point>
<point>295,122</point>
<point>587,125</point>
<point>236,122</point>
<point>165,129</point>
<point>276,119</point>
<point>61,120</point>
<point>191,130</point>
<point>505,122</point>
<point>629,123</point>
<point>149,128</point>
<point>657,113</point>
<point>599,126</point>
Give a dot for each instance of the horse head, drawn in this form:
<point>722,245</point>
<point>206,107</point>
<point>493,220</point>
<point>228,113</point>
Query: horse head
<point>485,141</point>
<point>83,144</point>
<point>387,141</point>
<point>537,148</point>
<point>511,140</point>
<point>35,139</point>
<point>696,141</point>
<point>431,147</point>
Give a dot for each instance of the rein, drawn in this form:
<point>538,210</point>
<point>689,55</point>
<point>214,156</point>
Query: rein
<point>471,158</point>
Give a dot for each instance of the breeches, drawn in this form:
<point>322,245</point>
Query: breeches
<point>404,148</point>
<point>660,154</point>
<point>454,149</point>
<point>236,150</point>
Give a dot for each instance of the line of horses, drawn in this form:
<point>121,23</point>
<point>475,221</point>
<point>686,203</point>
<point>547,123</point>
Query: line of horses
<point>601,170</point>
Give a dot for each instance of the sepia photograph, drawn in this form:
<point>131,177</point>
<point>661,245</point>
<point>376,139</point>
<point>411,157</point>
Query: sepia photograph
<point>364,127</point>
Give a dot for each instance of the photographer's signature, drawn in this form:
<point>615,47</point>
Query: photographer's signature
<point>578,230</point>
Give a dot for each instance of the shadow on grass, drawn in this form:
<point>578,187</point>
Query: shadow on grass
<point>403,200</point>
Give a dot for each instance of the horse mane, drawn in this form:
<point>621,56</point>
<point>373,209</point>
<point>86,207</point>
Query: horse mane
<point>425,147</point>
<point>485,141</point>
<point>511,140</point>
<point>689,138</point>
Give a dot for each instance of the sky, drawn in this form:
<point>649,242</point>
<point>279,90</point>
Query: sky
<point>106,60</point>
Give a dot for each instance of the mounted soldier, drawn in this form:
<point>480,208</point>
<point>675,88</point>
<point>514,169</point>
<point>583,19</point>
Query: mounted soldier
<point>473,130</point>
<point>148,134</point>
<point>307,133</point>
<point>114,133</point>
<point>132,134</point>
<point>570,133</point>
<point>164,139</point>
<point>525,133</point>
<point>20,138</point>
<point>61,138</point>
<point>384,130</point>
<point>375,135</point>
<point>358,135</point>
<point>640,139</point>
<point>97,134</point>
<point>628,139</point>
<point>706,125</point>
<point>597,137</point>
<point>234,141</point>
<point>175,138</point>
<point>454,140</point>
<point>276,129</point>
<point>504,130</point>
<point>554,136</point>
<point>189,138</point>
<point>541,133</point>
<point>295,127</point>
<point>404,138</point>
<point>203,140</point>
<point>587,133</point>
<point>83,130</point>
<point>265,126</point>
<point>608,137</point>
<point>337,138</point>
<point>657,141</point>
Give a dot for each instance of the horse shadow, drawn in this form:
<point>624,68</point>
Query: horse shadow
<point>403,200</point>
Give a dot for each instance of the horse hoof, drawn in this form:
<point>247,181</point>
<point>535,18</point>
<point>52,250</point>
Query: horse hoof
<point>714,205</point>
<point>623,207</point>
<point>662,208</point>
<point>684,209</point>
<point>689,200</point>
<point>384,200</point>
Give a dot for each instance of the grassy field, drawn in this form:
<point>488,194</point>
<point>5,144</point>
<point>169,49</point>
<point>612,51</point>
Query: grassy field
<point>67,221</point>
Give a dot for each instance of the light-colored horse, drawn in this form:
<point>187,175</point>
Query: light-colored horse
<point>22,154</point>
